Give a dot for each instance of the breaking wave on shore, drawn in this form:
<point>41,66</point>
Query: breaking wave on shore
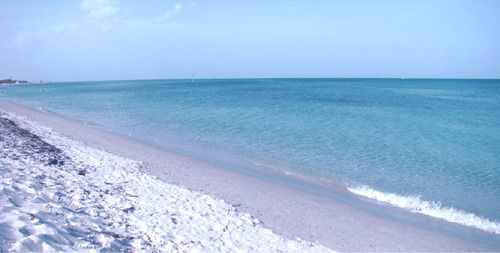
<point>434,209</point>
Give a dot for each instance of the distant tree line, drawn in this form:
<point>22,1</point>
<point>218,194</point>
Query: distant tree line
<point>10,81</point>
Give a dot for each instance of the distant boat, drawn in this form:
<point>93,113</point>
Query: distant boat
<point>192,79</point>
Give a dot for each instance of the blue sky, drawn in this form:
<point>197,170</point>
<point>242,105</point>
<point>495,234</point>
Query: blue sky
<point>119,39</point>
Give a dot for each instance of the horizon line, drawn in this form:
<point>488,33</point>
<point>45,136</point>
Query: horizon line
<point>229,78</point>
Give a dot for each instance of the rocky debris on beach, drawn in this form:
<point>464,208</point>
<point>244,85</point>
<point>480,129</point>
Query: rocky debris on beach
<point>57,194</point>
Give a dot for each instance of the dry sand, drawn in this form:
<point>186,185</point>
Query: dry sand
<point>330,221</point>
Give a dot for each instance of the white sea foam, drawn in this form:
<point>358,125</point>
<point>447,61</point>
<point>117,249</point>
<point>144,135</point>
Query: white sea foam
<point>434,209</point>
<point>99,201</point>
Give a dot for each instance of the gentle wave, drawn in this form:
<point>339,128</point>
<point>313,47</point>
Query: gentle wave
<point>430,208</point>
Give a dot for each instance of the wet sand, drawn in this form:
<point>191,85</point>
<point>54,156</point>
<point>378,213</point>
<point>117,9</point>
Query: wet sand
<point>330,221</point>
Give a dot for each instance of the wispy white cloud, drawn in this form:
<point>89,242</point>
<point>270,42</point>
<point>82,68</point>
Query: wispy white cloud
<point>177,8</point>
<point>99,16</point>
<point>99,9</point>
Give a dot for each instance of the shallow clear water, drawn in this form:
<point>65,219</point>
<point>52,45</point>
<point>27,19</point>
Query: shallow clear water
<point>439,139</point>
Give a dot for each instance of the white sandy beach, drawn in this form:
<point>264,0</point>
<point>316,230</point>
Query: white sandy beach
<point>156,199</point>
<point>58,194</point>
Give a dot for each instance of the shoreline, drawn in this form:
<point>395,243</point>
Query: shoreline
<point>60,195</point>
<point>286,211</point>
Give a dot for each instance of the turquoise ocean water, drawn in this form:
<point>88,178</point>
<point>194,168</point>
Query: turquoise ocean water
<point>430,146</point>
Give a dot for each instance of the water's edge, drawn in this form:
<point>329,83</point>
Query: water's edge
<point>422,214</point>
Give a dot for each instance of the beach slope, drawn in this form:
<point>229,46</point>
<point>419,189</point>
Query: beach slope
<point>253,206</point>
<point>57,194</point>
